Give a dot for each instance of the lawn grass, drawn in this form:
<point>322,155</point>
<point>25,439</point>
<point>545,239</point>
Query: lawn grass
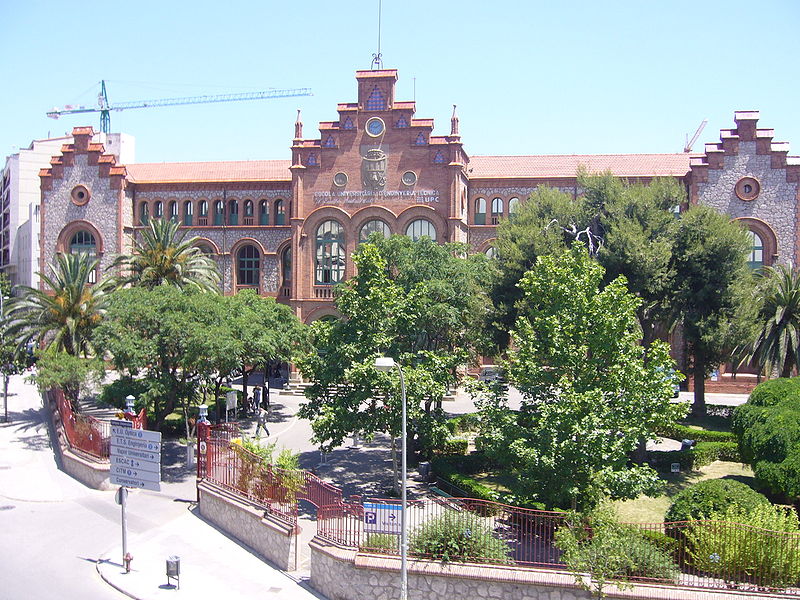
<point>647,509</point>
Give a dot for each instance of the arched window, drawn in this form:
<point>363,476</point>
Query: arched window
<point>263,213</point>
<point>203,208</point>
<point>173,211</point>
<point>233,212</point>
<point>83,242</point>
<point>497,210</point>
<point>329,268</point>
<point>480,211</point>
<point>144,213</point>
<point>158,210</point>
<point>248,208</point>
<point>513,207</point>
<point>187,213</point>
<point>247,266</point>
<point>280,213</point>
<point>491,252</point>
<point>219,212</point>
<point>286,266</point>
<point>374,226</point>
<point>756,259</point>
<point>421,228</point>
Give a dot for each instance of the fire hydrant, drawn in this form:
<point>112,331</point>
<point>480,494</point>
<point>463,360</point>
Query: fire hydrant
<point>127,559</point>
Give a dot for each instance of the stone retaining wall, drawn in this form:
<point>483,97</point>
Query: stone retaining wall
<point>342,574</point>
<point>89,472</point>
<point>274,540</point>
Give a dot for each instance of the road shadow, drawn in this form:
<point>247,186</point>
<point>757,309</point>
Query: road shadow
<point>173,463</point>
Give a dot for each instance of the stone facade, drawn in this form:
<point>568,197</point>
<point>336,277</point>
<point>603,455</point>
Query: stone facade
<point>380,165</point>
<point>274,540</point>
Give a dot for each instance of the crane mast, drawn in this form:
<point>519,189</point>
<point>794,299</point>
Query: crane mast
<point>104,107</point>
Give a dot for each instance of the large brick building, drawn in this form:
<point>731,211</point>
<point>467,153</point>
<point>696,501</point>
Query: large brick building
<point>288,227</point>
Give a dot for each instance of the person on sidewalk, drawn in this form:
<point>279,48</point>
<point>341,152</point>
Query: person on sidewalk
<point>262,420</point>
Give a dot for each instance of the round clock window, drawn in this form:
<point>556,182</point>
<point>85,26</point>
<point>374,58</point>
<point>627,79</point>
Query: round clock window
<point>409,178</point>
<point>340,179</point>
<point>375,126</point>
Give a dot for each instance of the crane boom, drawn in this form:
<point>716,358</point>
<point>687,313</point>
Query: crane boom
<point>104,107</point>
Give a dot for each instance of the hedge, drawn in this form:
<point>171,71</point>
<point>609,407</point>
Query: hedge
<point>703,453</point>
<point>706,498</point>
<point>677,431</point>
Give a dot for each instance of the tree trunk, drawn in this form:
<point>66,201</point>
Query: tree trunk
<point>245,376</point>
<point>699,406</point>
<point>640,454</point>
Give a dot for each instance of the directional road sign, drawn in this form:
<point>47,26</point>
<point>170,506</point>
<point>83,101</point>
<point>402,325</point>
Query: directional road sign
<point>382,518</point>
<point>135,457</point>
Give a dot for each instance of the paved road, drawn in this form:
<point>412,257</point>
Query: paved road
<point>53,529</point>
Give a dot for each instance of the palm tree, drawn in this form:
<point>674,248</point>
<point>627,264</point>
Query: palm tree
<point>164,256</point>
<point>777,345</point>
<point>64,315</point>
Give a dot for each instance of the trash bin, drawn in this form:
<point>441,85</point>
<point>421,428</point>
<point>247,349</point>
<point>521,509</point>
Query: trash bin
<point>425,470</point>
<point>174,570</point>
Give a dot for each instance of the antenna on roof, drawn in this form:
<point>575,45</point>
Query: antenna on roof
<point>689,143</point>
<point>377,60</point>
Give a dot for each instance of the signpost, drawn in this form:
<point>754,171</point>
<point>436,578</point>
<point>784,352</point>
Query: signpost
<point>135,462</point>
<point>382,518</point>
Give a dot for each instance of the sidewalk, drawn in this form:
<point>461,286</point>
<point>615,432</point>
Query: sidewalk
<point>211,565</point>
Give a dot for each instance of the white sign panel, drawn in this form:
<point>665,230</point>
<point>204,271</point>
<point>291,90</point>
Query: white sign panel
<point>136,463</point>
<point>134,483</point>
<point>135,474</point>
<point>136,434</point>
<point>135,457</point>
<point>382,518</point>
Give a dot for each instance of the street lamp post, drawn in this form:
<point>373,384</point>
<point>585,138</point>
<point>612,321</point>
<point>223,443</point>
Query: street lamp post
<point>386,363</point>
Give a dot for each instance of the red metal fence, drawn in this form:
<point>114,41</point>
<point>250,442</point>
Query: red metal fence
<point>231,466</point>
<point>697,554</point>
<point>86,433</point>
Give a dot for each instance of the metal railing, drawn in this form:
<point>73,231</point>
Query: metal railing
<point>83,432</point>
<point>695,554</point>
<point>232,467</point>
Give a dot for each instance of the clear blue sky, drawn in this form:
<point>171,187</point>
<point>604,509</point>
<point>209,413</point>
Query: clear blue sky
<point>528,77</point>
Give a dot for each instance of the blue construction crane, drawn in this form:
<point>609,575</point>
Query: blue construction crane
<point>105,108</point>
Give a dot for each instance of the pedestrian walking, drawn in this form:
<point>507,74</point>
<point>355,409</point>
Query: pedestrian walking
<point>262,420</point>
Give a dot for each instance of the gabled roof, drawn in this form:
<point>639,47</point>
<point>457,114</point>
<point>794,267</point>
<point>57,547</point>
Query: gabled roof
<point>225,171</point>
<point>566,165</point>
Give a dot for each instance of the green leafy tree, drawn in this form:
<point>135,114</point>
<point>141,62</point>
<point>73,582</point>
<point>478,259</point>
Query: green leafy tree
<point>635,225</point>
<point>712,291</point>
<point>74,375</point>
<point>161,334</point>
<point>65,315</point>
<point>588,393</point>
<point>777,345</point>
<point>258,331</point>
<point>165,255</point>
<point>348,395</point>
<point>536,230</point>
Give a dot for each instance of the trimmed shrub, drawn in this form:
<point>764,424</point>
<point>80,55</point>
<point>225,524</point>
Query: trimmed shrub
<point>760,545</point>
<point>706,498</point>
<point>387,542</point>
<point>458,536</point>
<point>598,544</point>
<point>768,430</point>
<point>703,453</point>
<point>676,431</point>
<point>454,445</point>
